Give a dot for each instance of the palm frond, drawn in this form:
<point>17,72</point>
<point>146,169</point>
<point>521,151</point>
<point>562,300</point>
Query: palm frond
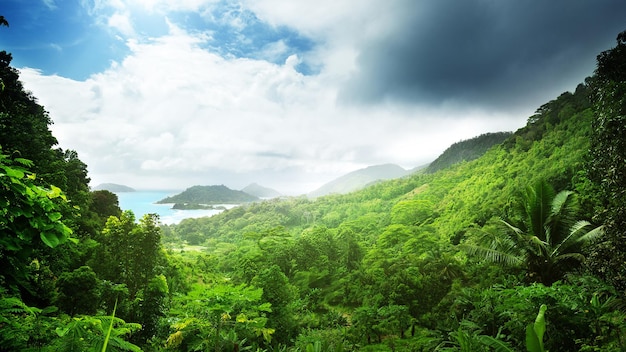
<point>580,233</point>
<point>538,203</point>
<point>493,255</point>
<point>15,305</point>
<point>568,256</point>
<point>562,217</point>
<point>535,245</point>
<point>592,234</point>
<point>514,229</point>
<point>563,203</point>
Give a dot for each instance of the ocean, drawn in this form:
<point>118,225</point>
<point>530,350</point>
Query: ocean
<point>144,202</point>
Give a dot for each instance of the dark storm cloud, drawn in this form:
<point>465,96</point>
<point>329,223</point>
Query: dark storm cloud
<point>484,52</point>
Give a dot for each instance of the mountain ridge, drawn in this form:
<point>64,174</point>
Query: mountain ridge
<point>113,187</point>
<point>260,191</point>
<point>359,179</point>
<point>467,150</point>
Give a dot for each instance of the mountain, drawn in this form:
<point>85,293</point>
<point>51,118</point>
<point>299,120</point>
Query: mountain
<point>359,179</point>
<point>260,191</point>
<point>209,195</point>
<point>113,187</point>
<point>467,150</point>
<point>419,168</point>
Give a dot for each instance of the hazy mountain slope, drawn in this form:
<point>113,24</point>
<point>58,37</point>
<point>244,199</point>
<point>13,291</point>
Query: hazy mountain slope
<point>209,195</point>
<point>261,191</point>
<point>113,187</point>
<point>359,179</point>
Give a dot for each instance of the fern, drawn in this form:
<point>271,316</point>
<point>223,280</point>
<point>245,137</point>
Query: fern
<point>96,333</point>
<point>14,305</point>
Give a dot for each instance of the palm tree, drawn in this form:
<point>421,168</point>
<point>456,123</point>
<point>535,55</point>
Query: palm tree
<point>546,238</point>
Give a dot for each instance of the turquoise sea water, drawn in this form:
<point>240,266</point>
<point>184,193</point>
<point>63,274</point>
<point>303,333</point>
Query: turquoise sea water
<point>144,202</point>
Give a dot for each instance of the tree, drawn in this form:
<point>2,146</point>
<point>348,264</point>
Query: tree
<point>278,292</point>
<point>105,204</point>
<point>25,133</point>
<point>27,212</point>
<point>24,123</point>
<point>153,306</point>
<point>129,252</point>
<point>78,291</point>
<point>607,154</point>
<point>545,238</point>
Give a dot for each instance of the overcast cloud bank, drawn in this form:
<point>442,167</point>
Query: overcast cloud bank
<point>294,94</point>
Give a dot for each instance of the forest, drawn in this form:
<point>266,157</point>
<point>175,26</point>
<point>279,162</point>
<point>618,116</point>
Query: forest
<point>520,249</point>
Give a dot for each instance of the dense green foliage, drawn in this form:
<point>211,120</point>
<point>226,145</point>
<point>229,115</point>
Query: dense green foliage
<point>606,164</point>
<point>547,240</point>
<point>397,266</point>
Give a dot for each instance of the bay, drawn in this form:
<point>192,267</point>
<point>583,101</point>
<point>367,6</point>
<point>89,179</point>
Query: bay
<point>144,202</point>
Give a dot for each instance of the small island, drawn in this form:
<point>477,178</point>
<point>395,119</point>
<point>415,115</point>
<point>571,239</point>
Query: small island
<point>209,195</point>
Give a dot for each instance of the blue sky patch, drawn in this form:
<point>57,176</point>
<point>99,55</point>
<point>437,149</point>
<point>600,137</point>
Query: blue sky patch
<point>73,41</point>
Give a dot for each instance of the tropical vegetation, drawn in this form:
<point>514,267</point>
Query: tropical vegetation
<point>519,249</point>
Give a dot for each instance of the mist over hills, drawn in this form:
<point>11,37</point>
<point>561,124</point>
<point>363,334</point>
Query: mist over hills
<point>466,150</point>
<point>113,187</point>
<point>359,179</point>
<point>260,191</point>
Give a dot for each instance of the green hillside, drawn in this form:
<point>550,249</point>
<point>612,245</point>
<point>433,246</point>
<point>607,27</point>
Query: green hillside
<point>467,150</point>
<point>454,198</point>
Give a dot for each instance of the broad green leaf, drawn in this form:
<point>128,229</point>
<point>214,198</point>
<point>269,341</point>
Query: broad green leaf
<point>108,335</point>
<point>497,345</point>
<point>62,332</point>
<point>534,332</point>
<point>54,192</point>
<point>532,341</point>
<point>540,324</point>
<point>50,239</point>
<point>11,172</point>
<point>56,216</point>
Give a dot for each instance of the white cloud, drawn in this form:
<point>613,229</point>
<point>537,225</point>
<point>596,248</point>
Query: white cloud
<point>122,23</point>
<point>173,114</point>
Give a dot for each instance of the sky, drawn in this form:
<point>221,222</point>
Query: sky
<point>167,94</point>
